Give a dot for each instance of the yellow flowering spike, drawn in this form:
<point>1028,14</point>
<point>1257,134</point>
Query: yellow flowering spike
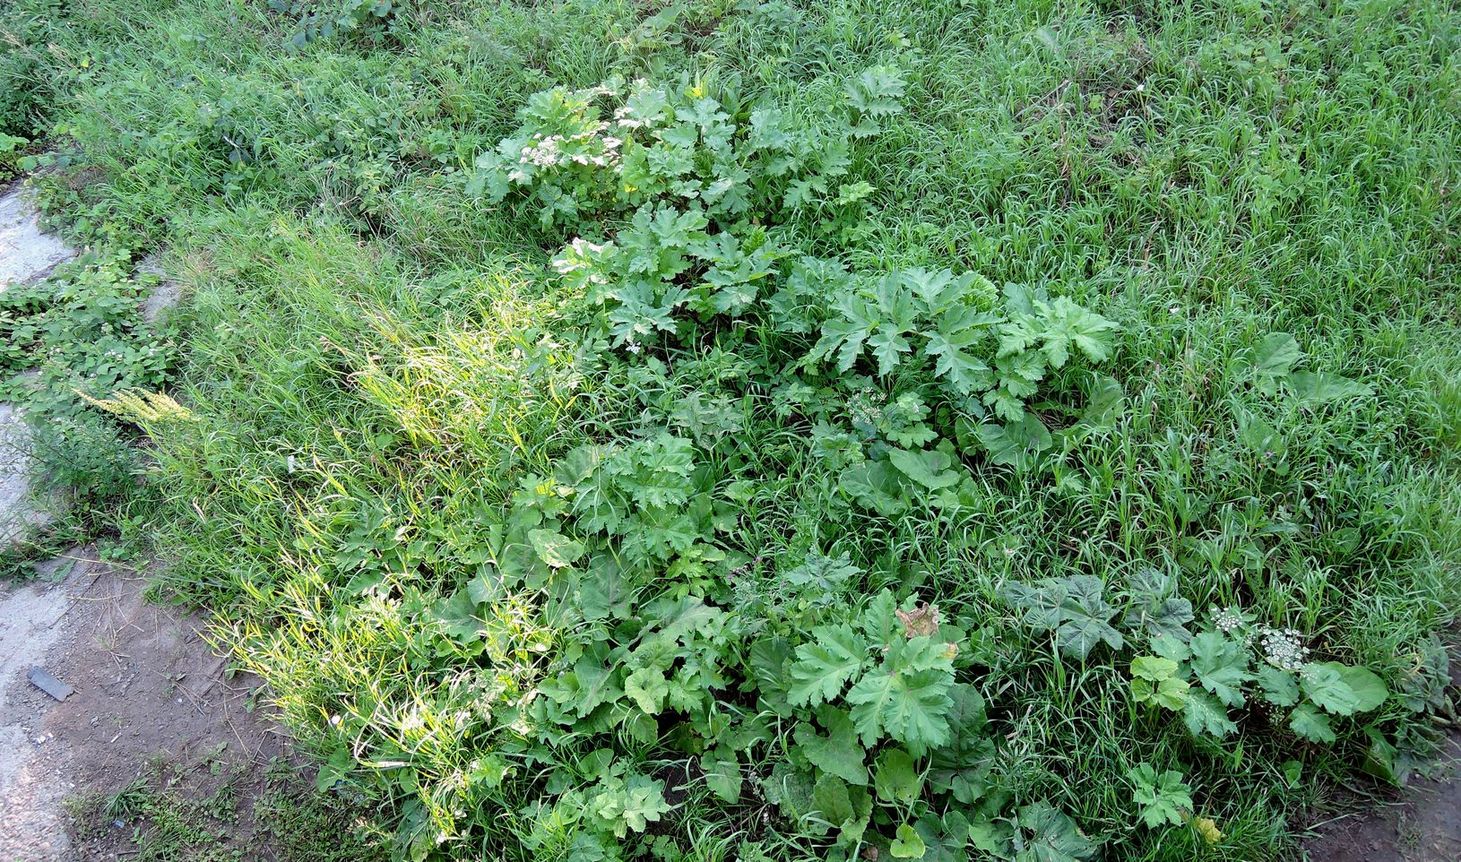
<point>141,406</point>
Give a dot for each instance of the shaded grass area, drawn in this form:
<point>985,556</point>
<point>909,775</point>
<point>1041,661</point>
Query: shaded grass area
<point>380,367</point>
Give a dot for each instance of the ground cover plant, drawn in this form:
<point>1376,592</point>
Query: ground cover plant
<point>771,431</point>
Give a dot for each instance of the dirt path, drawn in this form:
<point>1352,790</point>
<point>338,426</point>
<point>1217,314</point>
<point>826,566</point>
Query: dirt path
<point>146,685</point>
<point>1423,825</point>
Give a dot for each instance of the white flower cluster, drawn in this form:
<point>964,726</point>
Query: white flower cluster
<point>1228,620</point>
<point>865,407</point>
<point>1284,648</point>
<point>544,153</point>
<point>551,151</point>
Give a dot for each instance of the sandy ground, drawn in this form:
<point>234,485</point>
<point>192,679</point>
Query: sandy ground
<point>146,684</point>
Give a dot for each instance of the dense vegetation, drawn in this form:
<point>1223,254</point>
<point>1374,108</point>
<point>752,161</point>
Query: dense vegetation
<point>764,430</point>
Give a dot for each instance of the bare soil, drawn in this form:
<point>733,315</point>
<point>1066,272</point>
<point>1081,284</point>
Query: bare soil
<point>147,687</point>
<point>1423,824</point>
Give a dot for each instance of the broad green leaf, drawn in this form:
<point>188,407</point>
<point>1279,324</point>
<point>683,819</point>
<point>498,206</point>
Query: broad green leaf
<point>907,845</point>
<point>1273,360</point>
<point>334,769</point>
<point>1325,684</point>
<point>723,777</point>
<point>1171,647</point>
<point>1074,607</point>
<point>1313,388</point>
<point>684,617</point>
<point>835,655</point>
<point>845,337</point>
<point>1040,601</point>
<point>936,290</point>
<point>906,697</point>
<point>1052,836</point>
<point>993,836</point>
<point>1383,760</point>
<point>630,804</point>
<point>931,468</point>
<point>1087,618</point>
<point>1154,608</point>
<point>1170,693</point>
<point>1069,325</point>
<point>1204,714</point>
<point>945,839</point>
<point>959,331</point>
<point>875,485</point>
<point>1153,668</point>
<point>1311,724</point>
<point>1017,443</point>
<point>1169,617</point>
<point>879,620</point>
<point>1369,690</point>
<point>458,617</point>
<point>888,346</point>
<point>837,753</point>
<point>1105,404</point>
<point>1221,666</point>
<point>877,92</point>
<point>1279,686</point>
<point>768,659</point>
<point>963,766</point>
<point>647,687</point>
<point>592,685</point>
<point>846,808</point>
<point>791,790</point>
<point>896,778</point>
<point>1164,798</point>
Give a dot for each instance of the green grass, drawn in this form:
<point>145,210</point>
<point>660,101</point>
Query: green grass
<point>377,362</point>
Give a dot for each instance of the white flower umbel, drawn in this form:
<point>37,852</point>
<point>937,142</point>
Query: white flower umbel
<point>1284,648</point>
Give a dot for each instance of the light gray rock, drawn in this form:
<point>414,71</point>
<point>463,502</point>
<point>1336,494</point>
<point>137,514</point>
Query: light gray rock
<point>26,253</point>
<point>164,296</point>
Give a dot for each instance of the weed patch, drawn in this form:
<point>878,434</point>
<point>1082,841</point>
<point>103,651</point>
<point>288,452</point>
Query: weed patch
<point>776,431</point>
